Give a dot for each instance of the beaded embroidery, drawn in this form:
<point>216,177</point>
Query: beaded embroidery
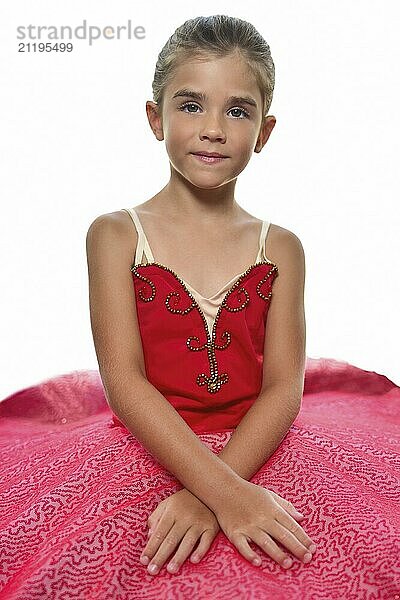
<point>214,380</point>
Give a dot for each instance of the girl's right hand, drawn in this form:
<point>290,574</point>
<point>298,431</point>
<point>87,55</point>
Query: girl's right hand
<point>257,514</point>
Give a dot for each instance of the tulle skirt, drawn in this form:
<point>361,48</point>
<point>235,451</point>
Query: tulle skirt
<point>76,492</point>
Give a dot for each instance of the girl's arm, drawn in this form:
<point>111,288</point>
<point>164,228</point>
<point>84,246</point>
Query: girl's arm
<point>268,420</point>
<point>139,405</point>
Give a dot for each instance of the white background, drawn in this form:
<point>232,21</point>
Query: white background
<point>75,143</point>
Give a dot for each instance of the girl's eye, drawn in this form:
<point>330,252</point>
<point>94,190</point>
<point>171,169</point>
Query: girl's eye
<point>241,110</point>
<point>183,106</point>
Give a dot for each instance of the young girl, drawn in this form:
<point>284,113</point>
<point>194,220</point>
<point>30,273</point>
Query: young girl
<point>197,313</point>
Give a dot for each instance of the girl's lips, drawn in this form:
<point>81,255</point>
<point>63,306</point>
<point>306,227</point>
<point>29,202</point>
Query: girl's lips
<point>210,159</point>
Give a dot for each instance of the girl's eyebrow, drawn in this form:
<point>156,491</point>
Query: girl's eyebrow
<point>202,97</point>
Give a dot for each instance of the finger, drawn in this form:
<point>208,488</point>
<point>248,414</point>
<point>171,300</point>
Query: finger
<point>152,528</point>
<point>290,541</point>
<point>292,510</point>
<point>153,543</point>
<point>267,544</point>
<point>203,547</point>
<point>155,516</point>
<point>303,540</point>
<point>241,541</point>
<point>186,546</point>
<point>168,546</point>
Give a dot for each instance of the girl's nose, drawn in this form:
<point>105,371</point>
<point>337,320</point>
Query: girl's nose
<point>212,133</point>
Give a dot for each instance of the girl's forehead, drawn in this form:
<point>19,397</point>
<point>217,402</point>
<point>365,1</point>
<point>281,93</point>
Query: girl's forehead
<point>214,77</point>
<point>234,64</point>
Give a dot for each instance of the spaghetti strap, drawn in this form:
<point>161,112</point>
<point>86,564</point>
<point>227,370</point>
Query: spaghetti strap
<point>143,246</point>
<point>263,237</point>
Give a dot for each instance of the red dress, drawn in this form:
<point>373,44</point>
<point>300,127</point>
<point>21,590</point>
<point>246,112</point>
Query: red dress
<point>77,486</point>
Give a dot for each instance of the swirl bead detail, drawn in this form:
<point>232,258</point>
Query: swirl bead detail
<point>151,284</point>
<point>177,311</point>
<point>236,299</point>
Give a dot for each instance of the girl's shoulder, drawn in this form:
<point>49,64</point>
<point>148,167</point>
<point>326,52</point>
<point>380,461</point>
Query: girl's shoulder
<point>116,230</point>
<point>117,221</point>
<point>282,236</point>
<point>283,245</point>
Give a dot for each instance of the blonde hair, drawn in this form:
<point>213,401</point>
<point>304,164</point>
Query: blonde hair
<point>215,36</point>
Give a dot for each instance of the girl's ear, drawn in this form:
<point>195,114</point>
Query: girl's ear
<point>265,131</point>
<point>155,119</point>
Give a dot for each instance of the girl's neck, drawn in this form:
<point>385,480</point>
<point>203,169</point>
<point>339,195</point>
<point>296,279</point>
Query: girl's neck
<point>200,206</point>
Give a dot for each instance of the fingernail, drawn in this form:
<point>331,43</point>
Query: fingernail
<point>257,562</point>
<point>287,563</point>
<point>299,513</point>
<point>312,548</point>
<point>172,567</point>
<point>307,557</point>
<point>153,569</point>
<point>144,560</point>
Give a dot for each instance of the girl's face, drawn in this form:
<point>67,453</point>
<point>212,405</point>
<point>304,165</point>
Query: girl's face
<point>216,121</point>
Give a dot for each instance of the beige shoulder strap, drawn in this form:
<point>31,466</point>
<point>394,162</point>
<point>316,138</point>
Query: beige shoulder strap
<point>263,237</point>
<point>142,245</point>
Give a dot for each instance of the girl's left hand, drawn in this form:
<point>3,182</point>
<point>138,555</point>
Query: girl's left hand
<point>179,522</point>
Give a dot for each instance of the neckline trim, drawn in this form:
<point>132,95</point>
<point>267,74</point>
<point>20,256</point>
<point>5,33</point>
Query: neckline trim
<point>222,289</point>
<point>273,272</point>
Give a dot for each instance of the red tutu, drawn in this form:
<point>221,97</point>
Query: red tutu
<point>76,491</point>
